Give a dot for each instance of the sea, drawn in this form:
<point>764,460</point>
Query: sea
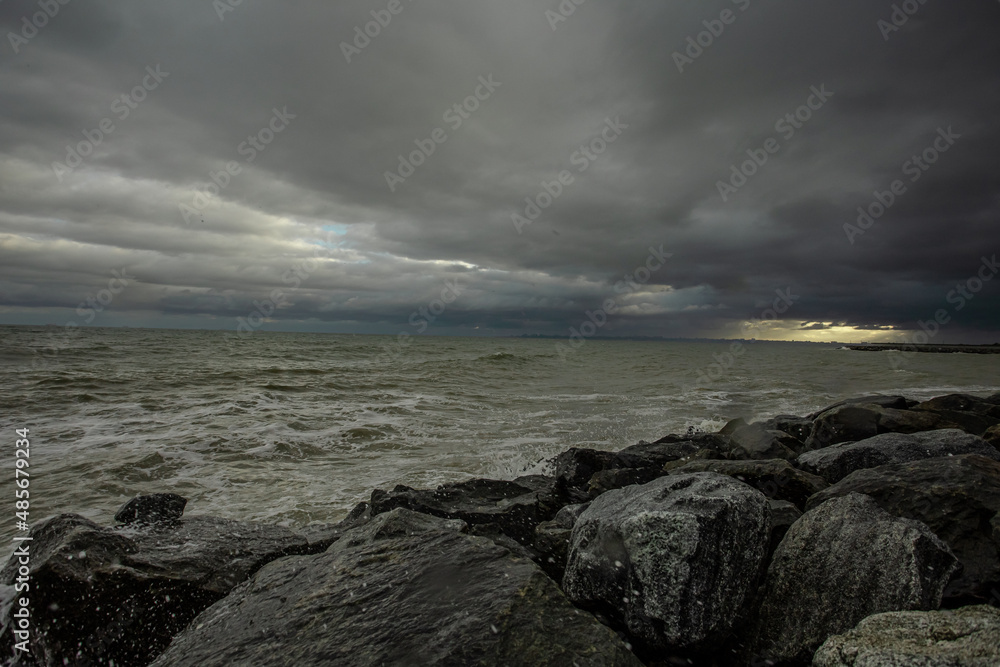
<point>297,428</point>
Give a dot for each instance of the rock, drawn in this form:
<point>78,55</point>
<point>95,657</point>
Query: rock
<point>154,508</point>
<point>838,461</point>
<point>606,480</point>
<point>552,539</point>
<point>654,455</point>
<point>733,425</point>
<point>853,422</point>
<point>783,515</point>
<point>843,561</point>
<point>973,415</point>
<point>756,442</point>
<point>576,465</point>
<point>673,560</point>
<point>894,402</point>
<point>969,637</point>
<point>992,436</point>
<point>797,427</point>
<point>775,478</point>
<point>514,508</point>
<point>405,589</point>
<point>956,497</point>
<point>100,595</point>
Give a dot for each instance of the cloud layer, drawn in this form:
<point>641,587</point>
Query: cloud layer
<point>344,162</point>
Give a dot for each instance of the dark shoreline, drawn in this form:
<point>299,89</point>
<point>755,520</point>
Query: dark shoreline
<point>938,349</point>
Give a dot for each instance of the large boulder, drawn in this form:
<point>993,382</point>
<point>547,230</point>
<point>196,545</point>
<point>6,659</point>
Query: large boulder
<point>881,400</point>
<point>673,561</point>
<point>116,596</point>
<point>858,421</point>
<point>797,427</point>
<point>966,637</point>
<point>957,497</point>
<point>836,462</point>
<point>843,561</point>
<point>405,589</point>
<point>513,508</point>
<point>776,478</point>
<point>974,415</point>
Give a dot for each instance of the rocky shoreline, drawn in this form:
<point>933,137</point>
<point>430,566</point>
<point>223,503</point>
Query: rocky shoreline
<point>939,349</point>
<point>867,533</point>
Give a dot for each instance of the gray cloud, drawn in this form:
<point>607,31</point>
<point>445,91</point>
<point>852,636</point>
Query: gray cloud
<point>317,194</point>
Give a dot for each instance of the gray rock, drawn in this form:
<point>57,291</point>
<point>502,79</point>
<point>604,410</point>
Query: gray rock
<point>858,421</point>
<point>783,516</point>
<point>839,563</point>
<point>775,478</point>
<point>405,589</point>
<point>154,508</point>
<point>755,441</point>
<point>672,560</point>
<point>992,436</point>
<point>797,427</point>
<point>881,400</point>
<point>966,637</point>
<point>102,595</point>
<point>956,497</point>
<point>838,461</point>
<point>513,508</point>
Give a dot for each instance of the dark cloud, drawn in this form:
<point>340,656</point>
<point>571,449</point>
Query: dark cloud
<point>312,220</point>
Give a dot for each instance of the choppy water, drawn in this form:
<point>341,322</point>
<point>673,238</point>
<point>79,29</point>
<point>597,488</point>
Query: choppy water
<point>297,428</point>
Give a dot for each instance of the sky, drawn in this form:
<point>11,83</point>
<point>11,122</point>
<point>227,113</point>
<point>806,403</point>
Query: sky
<point>819,170</point>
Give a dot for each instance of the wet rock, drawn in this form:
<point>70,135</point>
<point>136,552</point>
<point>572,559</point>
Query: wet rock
<point>957,497</point>
<point>101,594</point>
<point>755,441</point>
<point>843,561</point>
<point>552,539</point>
<point>783,515</point>
<point>514,508</point>
<point>853,422</point>
<point>775,478</point>
<point>577,465</point>
<point>969,637</point>
<point>606,480</point>
<point>838,461</point>
<point>797,427</point>
<point>153,508</point>
<point>405,589</point>
<point>881,400</point>
<point>673,560</point>
<point>992,436</point>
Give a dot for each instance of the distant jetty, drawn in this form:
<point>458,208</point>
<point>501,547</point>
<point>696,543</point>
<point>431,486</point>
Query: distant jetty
<point>941,349</point>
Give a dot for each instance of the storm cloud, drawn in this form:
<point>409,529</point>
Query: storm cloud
<point>337,166</point>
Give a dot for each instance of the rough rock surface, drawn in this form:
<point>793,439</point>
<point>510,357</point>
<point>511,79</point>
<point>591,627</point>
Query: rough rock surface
<point>102,594</point>
<point>839,563</point>
<point>957,497</point>
<point>992,436</point>
<point>857,421</point>
<point>838,461</point>
<point>154,508</point>
<point>405,589</point>
<point>513,508</point>
<point>775,478</point>
<point>974,415</point>
<point>783,516</point>
<point>755,441</point>
<point>966,637</point>
<point>797,427</point>
<point>672,560</point>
